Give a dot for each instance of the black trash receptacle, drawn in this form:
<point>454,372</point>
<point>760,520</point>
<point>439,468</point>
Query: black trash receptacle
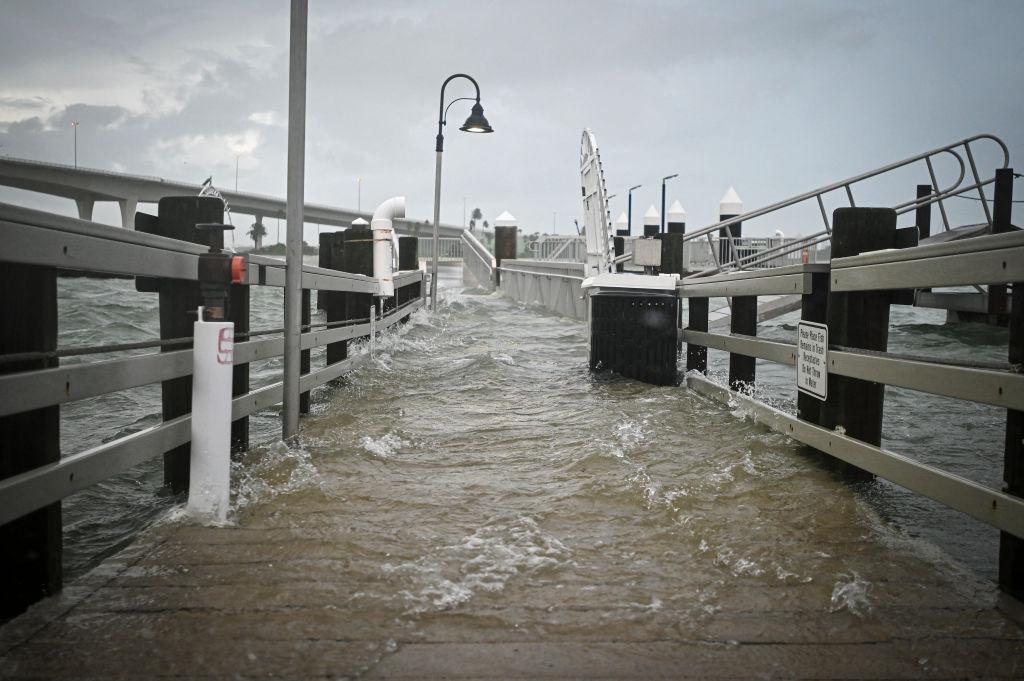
<point>635,334</point>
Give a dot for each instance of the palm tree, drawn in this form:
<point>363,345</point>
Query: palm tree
<point>256,233</point>
<point>474,216</point>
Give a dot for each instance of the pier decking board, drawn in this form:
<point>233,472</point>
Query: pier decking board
<point>273,599</point>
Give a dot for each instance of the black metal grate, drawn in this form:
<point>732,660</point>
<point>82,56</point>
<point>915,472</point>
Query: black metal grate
<point>635,335</point>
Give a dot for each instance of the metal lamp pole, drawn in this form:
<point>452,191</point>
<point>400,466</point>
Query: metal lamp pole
<point>475,123</point>
<point>74,124</point>
<point>629,211</point>
<point>661,230</point>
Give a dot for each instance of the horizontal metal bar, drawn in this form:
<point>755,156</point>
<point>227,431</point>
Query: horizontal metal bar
<point>797,284</point>
<point>995,508</point>
<point>988,242</point>
<point>334,280</point>
<point>986,267</point>
<point>39,246</point>
<point>958,302</point>
<point>537,273</point>
<point>27,390</point>
<point>44,485</point>
<point>330,372</point>
<point>751,346</point>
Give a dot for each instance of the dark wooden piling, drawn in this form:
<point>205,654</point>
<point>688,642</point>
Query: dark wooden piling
<point>672,253</point>
<point>506,246</point>
<point>239,315</point>
<point>409,259</point>
<point>177,217</point>
<point>858,319</point>
<point>923,214</point>
<point>1011,548</point>
<point>334,301</point>
<point>358,259</point>
<point>697,355</point>
<point>620,248</point>
<point>324,260</point>
<point>742,320</point>
<point>32,544</point>
<point>1002,208</point>
<point>304,355</point>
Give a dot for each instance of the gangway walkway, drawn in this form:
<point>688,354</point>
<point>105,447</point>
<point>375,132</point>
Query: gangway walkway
<point>475,504</point>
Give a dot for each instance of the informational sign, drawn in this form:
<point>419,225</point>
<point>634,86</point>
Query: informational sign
<point>811,358</point>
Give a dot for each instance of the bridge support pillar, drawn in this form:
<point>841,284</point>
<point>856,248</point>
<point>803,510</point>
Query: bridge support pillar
<point>32,544</point>
<point>85,207</point>
<point>858,319</point>
<point>128,207</point>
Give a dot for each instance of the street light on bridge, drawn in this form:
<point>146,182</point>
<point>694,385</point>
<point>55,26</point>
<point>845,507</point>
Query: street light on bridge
<point>661,229</point>
<point>74,124</point>
<point>629,210</point>
<point>475,123</point>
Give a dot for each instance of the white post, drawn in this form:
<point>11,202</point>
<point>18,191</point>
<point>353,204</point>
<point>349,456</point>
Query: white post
<point>210,461</point>
<point>373,328</point>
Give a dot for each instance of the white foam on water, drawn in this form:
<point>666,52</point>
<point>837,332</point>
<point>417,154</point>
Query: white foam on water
<point>851,593</point>
<point>484,561</point>
<point>383,447</point>
<point>269,472</point>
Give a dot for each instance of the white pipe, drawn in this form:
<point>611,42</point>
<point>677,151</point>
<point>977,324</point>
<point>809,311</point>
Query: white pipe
<point>210,460</point>
<point>383,248</point>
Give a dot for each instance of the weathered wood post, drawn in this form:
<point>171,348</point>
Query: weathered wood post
<point>672,241</point>
<point>923,214</point>
<point>334,301</point>
<point>324,260</point>
<point>1011,547</point>
<point>742,320</point>
<point>306,319</point>
<point>177,217</point>
<point>676,219</point>
<point>506,241</point>
<point>652,222</point>
<point>858,319</point>
<point>619,242</point>
<point>697,355</point>
<point>358,260</point>
<point>409,260</point>
<point>1002,207</point>
<point>729,207</point>
<point>32,544</point>
<point>239,315</point>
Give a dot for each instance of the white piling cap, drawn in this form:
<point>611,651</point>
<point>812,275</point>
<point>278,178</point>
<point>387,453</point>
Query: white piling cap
<point>359,222</point>
<point>676,212</point>
<point>730,203</point>
<point>652,216</point>
<point>506,219</point>
<point>622,220</point>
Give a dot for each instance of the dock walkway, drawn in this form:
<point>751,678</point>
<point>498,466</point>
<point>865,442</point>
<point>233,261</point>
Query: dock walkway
<point>482,507</point>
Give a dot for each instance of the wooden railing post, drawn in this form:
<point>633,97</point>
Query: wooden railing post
<point>32,544</point>
<point>358,256</point>
<point>742,320</point>
<point>177,217</point>
<point>239,314</point>
<point>304,365</point>
<point>334,301</point>
<point>1002,207</point>
<point>858,319</point>
<point>1011,547</point>
<point>697,355</point>
<point>506,243</point>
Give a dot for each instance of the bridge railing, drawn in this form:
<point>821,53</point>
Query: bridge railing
<point>554,285</point>
<point>958,151</point>
<point>449,249</point>
<point>477,262</point>
<point>852,364</point>
<point>52,243</point>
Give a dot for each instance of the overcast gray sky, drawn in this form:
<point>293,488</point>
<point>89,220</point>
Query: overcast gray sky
<point>774,98</point>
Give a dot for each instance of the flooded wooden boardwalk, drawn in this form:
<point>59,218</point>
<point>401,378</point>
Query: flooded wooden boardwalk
<point>562,526</point>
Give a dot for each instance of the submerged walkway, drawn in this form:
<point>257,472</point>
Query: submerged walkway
<point>474,504</point>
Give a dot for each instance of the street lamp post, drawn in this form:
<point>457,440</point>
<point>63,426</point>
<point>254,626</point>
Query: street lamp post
<point>236,171</point>
<point>661,229</point>
<point>629,211</point>
<point>475,123</point>
<point>74,124</point>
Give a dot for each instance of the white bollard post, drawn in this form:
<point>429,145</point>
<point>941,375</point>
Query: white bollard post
<point>373,328</point>
<point>210,461</point>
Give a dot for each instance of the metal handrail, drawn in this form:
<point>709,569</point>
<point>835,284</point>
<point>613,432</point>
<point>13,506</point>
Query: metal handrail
<point>936,196</point>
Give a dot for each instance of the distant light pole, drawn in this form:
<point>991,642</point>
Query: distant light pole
<point>475,123</point>
<point>236,172</point>
<point>74,124</point>
<point>629,211</point>
<point>661,229</point>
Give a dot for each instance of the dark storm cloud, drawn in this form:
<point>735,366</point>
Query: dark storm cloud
<point>774,98</point>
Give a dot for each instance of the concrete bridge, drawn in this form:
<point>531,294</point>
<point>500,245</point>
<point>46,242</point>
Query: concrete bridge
<point>86,186</point>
